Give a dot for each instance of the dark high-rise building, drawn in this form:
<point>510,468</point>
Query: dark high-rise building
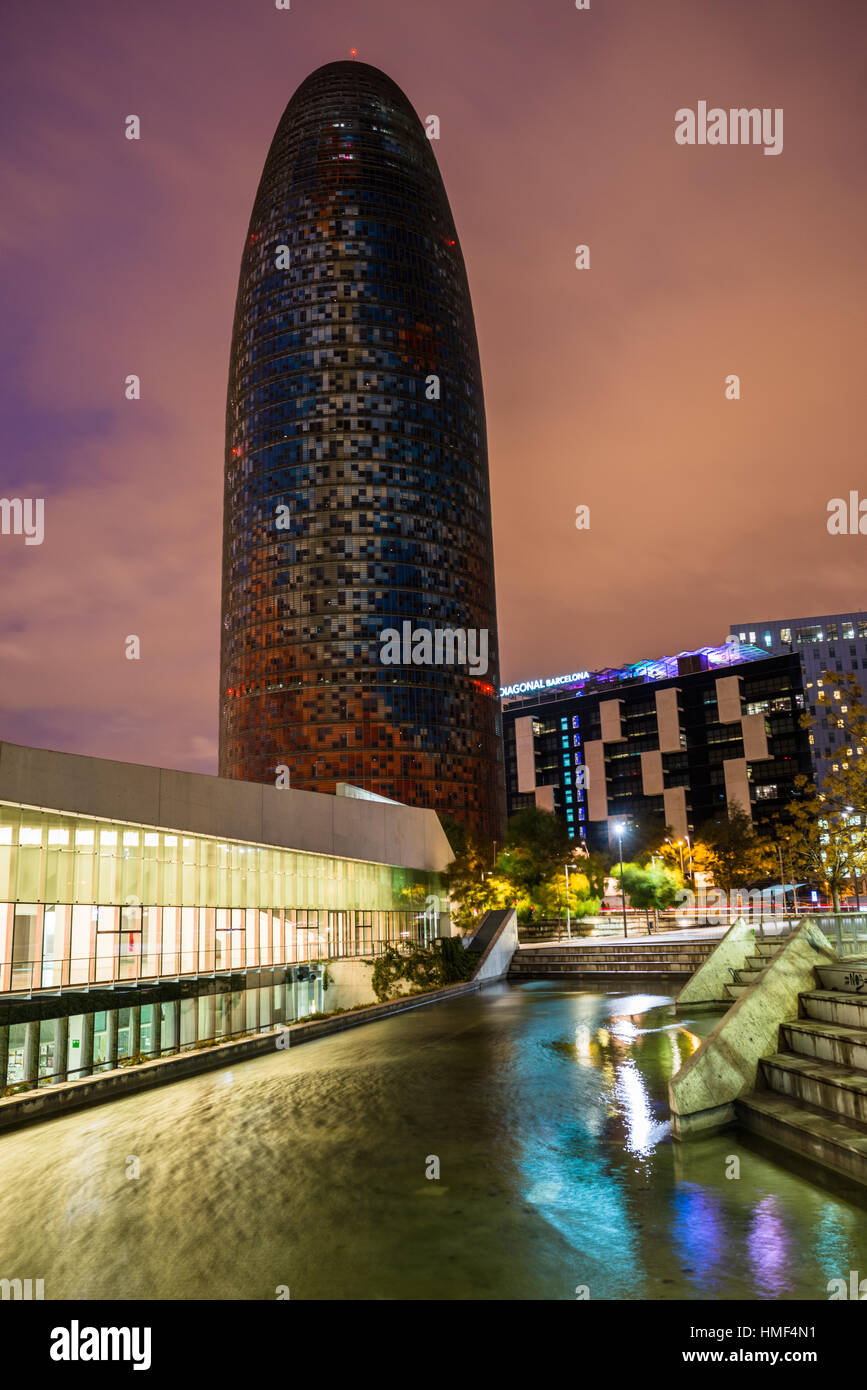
<point>677,740</point>
<point>356,482</point>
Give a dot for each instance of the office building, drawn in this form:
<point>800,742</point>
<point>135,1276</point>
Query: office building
<point>676,740</point>
<point>836,642</point>
<point>144,912</point>
<point>356,472</point>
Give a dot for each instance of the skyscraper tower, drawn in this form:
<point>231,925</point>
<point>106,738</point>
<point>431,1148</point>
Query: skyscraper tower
<point>357,497</point>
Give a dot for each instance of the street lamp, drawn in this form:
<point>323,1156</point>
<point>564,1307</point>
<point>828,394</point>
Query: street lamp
<point>678,845</point>
<point>850,811</point>
<point>619,829</point>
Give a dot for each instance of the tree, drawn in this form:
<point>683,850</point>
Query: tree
<point>649,887</point>
<point>594,867</point>
<point>472,888</point>
<point>736,855</point>
<point>537,847</point>
<point>552,897</point>
<point>822,844</point>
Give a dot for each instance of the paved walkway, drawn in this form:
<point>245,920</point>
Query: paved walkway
<point>685,934</point>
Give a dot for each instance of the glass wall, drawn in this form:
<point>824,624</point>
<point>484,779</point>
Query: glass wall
<point>86,901</point>
<point>45,1052</point>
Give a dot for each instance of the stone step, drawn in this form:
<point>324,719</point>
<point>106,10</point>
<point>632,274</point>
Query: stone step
<point>604,953</point>
<point>570,970</point>
<point>816,1134</point>
<point>844,977</point>
<point>770,947</point>
<point>564,957</point>
<point>747,977</point>
<point>836,1006</point>
<point>826,1042</point>
<point>615,949</point>
<point>830,1086</point>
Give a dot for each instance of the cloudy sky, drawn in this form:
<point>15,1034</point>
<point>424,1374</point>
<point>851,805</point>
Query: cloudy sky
<point>604,387</point>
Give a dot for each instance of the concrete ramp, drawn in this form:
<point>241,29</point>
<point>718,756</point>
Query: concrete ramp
<point>725,1067</point>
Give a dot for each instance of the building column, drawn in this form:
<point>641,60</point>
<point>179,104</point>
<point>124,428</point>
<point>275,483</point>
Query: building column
<point>173,1014</point>
<point>156,1029</point>
<point>238,1012</point>
<point>31,1051</point>
<point>85,1061</point>
<point>4,1054</point>
<point>134,1030</point>
<point>209,1016</point>
<point>61,1042</point>
<point>251,1011</point>
<point>111,1039</point>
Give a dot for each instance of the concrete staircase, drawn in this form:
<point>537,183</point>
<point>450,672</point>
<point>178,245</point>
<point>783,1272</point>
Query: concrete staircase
<point>811,1095</point>
<point>755,966</point>
<point>610,960</point>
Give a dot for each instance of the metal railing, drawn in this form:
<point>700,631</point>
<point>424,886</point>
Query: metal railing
<point>94,971</point>
<point>846,931</point>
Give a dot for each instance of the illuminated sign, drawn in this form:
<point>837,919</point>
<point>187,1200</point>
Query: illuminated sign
<point>506,691</point>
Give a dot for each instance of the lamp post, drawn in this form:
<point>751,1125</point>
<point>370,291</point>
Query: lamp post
<point>619,829</point>
<point>568,918</point>
<point>850,811</point>
<point>678,845</point>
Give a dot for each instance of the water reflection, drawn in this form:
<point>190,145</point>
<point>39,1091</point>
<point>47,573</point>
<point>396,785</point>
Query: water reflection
<point>547,1108</point>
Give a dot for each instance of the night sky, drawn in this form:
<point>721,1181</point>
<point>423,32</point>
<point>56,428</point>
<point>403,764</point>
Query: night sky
<point>603,387</point>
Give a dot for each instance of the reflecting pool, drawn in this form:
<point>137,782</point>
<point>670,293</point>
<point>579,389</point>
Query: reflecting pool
<point>544,1111</point>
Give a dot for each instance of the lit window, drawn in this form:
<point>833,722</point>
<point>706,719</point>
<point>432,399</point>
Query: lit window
<point>5,834</point>
<point>30,835</point>
<point>108,837</point>
<point>151,839</point>
<point>130,837</point>
<point>170,842</point>
<point>58,837</point>
<point>85,837</point>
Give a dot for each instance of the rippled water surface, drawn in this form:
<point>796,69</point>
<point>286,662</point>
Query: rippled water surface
<point>546,1108</point>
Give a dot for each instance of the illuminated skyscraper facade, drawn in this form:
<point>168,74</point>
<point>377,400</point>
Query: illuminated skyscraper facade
<point>356,478</point>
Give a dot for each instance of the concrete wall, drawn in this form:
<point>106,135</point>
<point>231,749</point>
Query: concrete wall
<point>525,752</point>
<point>707,985</point>
<point>668,719</point>
<point>737,784</point>
<point>497,957</point>
<point>404,836</point>
<point>652,779</point>
<point>350,984</point>
<point>728,699</point>
<point>703,1092</point>
<point>597,790</point>
<point>609,715</point>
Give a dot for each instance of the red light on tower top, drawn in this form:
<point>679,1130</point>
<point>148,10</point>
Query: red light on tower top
<point>353,52</point>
